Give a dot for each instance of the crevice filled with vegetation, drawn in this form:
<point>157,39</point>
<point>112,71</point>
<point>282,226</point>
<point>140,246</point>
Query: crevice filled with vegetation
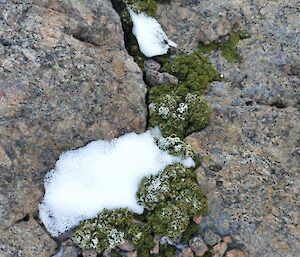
<point>171,198</point>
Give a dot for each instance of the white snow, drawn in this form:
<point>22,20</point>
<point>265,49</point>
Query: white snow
<point>151,38</point>
<point>103,174</point>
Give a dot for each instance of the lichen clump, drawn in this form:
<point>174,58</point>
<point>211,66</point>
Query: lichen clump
<point>110,229</point>
<point>182,109</point>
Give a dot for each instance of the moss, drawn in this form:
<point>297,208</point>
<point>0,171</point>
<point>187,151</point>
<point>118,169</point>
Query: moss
<point>147,6</point>
<point>109,229</point>
<point>177,113</point>
<point>193,72</point>
<point>176,186</point>
<point>227,48</point>
<point>190,231</point>
<point>168,219</point>
<point>175,146</point>
<point>166,251</point>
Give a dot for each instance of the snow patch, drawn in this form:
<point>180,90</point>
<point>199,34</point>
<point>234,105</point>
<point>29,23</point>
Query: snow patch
<point>103,174</point>
<point>151,38</point>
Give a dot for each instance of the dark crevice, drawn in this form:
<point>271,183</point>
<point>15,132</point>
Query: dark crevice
<point>24,219</point>
<point>131,44</point>
<point>279,105</point>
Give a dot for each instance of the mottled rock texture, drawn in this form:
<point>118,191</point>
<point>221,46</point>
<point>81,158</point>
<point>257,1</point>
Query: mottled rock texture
<point>65,79</point>
<point>251,150</point>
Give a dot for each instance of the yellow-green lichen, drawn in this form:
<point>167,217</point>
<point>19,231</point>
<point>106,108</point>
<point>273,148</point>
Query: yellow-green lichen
<point>228,48</point>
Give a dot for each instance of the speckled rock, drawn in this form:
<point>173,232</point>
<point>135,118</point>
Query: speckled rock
<point>187,23</point>
<point>250,151</point>
<point>66,79</point>
<point>211,238</point>
<point>198,246</point>
<point>235,253</point>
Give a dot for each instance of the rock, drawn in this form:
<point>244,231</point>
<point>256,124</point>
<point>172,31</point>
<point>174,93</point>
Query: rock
<point>70,251</point>
<point>227,239</point>
<point>198,246</point>
<point>155,249</point>
<point>250,151</point>
<point>235,253</point>
<point>219,249</point>
<point>126,246</point>
<point>211,238</point>
<point>89,253</point>
<point>155,78</point>
<point>197,219</point>
<point>132,254</point>
<point>187,23</point>
<point>66,79</point>
<point>187,252</point>
<point>151,65</point>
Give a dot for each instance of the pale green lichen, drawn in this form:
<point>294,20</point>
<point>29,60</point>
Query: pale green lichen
<point>176,114</point>
<point>110,229</point>
<point>168,219</point>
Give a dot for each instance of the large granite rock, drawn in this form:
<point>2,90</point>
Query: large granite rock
<point>250,151</point>
<point>65,79</point>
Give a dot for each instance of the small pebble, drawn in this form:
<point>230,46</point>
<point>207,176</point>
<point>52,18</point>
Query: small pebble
<point>197,219</point>
<point>89,253</point>
<point>198,246</point>
<point>235,253</point>
<point>219,249</point>
<point>187,252</point>
<point>211,238</point>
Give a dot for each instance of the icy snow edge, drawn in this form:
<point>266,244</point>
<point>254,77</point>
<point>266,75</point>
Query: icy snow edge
<point>102,174</point>
<point>151,38</point>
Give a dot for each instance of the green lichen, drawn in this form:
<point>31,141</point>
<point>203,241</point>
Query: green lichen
<point>175,146</point>
<point>182,109</point>
<point>168,219</point>
<point>111,228</point>
<point>228,48</point>
<point>177,114</point>
<point>173,193</point>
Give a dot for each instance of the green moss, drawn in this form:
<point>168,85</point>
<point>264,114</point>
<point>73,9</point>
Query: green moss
<point>227,48</point>
<point>175,146</point>
<point>109,229</point>
<point>176,186</point>
<point>193,72</point>
<point>181,109</point>
<point>190,231</point>
<point>147,6</point>
<point>166,251</point>
<point>168,219</point>
<point>177,113</point>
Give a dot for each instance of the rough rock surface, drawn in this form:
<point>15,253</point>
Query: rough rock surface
<point>66,79</point>
<point>251,150</point>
